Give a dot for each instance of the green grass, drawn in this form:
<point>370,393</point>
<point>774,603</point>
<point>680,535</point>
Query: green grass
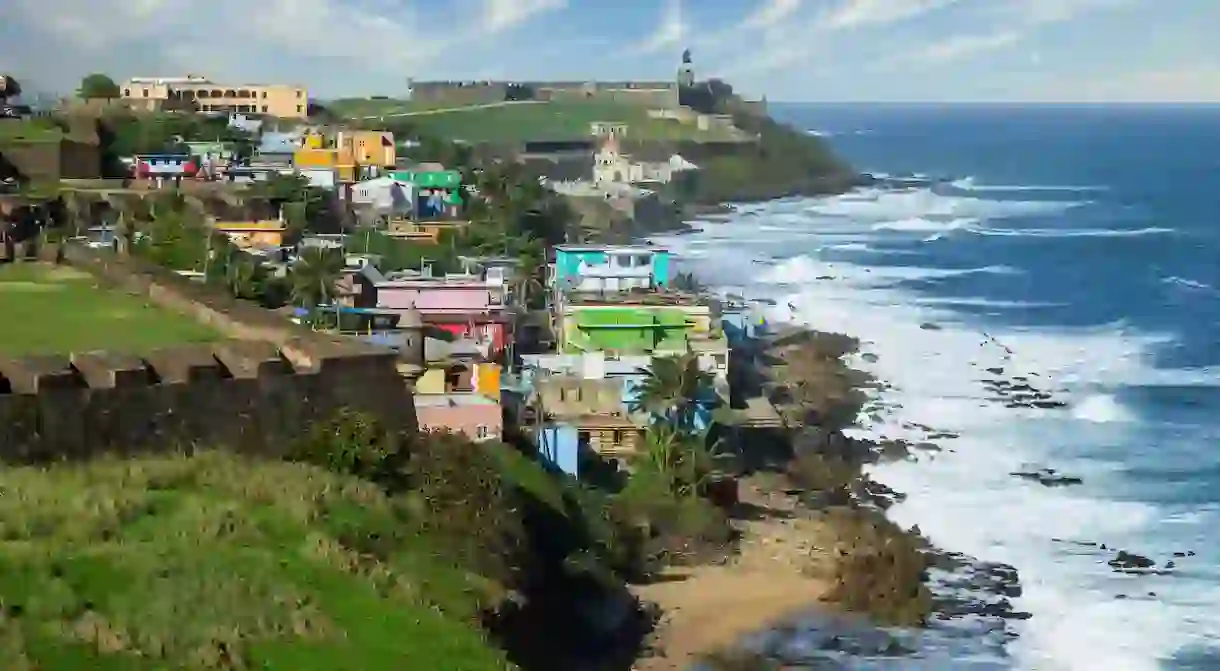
<point>221,562</point>
<point>554,121</point>
<point>358,108</point>
<point>29,130</point>
<point>57,309</point>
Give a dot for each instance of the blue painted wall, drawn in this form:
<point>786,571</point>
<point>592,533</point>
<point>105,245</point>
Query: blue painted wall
<point>558,444</point>
<point>660,268</point>
<point>567,263</point>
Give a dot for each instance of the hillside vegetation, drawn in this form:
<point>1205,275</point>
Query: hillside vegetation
<point>221,562</point>
<point>566,120</point>
<point>364,551</point>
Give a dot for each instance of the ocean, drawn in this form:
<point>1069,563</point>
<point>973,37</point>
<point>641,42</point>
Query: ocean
<point>1078,246</point>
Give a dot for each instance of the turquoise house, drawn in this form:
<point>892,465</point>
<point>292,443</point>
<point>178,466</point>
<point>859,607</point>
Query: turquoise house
<point>610,268</point>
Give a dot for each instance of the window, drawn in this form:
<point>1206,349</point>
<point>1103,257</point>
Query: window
<point>264,96</point>
<point>298,93</point>
<point>145,92</point>
<point>482,432</point>
<point>126,93</point>
<point>264,109</point>
<point>300,108</point>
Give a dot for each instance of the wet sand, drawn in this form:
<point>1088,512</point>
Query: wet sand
<point>709,608</point>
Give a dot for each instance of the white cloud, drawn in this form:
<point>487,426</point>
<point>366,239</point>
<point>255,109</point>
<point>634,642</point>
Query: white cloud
<point>792,41</point>
<point>669,32</point>
<point>961,46</point>
<point>854,13</point>
<point>500,16</point>
<point>1199,84</point>
<point>772,13</point>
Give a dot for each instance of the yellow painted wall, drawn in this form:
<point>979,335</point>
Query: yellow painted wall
<point>258,238</point>
<point>487,379</point>
<point>368,147</point>
<point>431,382</point>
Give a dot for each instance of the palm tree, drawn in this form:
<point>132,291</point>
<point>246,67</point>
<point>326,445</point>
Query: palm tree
<point>242,278</point>
<point>314,276</point>
<point>672,389</point>
<point>681,463</point>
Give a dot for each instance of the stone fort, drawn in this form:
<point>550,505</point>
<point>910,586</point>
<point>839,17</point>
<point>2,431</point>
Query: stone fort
<point>651,94</point>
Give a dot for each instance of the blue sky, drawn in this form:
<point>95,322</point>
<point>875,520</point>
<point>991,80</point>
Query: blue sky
<point>797,50</point>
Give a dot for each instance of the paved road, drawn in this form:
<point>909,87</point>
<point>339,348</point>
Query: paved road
<point>464,108</point>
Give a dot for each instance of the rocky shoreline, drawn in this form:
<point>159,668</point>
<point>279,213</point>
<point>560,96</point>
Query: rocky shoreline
<point>868,580</point>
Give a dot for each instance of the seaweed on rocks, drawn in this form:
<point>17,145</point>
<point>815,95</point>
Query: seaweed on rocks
<point>874,566</point>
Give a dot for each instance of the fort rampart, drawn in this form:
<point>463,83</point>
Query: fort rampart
<point>255,391</point>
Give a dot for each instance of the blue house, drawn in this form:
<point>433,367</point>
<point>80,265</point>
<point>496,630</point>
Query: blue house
<point>587,406</point>
<point>610,268</point>
<point>742,321</point>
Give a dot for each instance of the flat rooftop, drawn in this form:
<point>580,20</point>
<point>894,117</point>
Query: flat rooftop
<point>610,248</point>
<point>451,400</point>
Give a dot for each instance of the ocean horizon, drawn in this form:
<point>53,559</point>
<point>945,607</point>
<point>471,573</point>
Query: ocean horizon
<point>1074,245</point>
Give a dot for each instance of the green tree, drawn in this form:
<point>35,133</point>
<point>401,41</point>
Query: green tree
<point>675,462</point>
<point>314,276</point>
<point>98,85</point>
<point>672,389</point>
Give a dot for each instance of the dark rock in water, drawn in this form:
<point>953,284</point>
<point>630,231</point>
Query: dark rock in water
<point>944,435</point>
<point>1188,553</point>
<point>997,370</point>
<point>928,447</point>
<point>825,277</point>
<point>1048,477</point>
<point>869,357</point>
<point>929,326</point>
<point>1046,405</point>
<point>1129,561</point>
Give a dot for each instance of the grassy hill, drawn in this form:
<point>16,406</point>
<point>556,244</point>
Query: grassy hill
<point>221,562</point>
<point>519,121</point>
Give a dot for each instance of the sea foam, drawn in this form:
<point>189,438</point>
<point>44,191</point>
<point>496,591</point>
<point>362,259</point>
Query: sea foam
<point>966,498</point>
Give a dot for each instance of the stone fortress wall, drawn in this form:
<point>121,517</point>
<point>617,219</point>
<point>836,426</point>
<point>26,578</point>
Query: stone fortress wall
<point>459,93</point>
<point>256,391</point>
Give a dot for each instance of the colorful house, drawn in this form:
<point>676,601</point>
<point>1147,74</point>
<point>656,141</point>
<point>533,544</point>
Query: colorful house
<point>605,268</point>
<point>741,321</point>
<point>438,193</point>
<point>464,307</point>
<point>478,417</point>
<point>586,405</point>
<point>266,233</point>
<point>373,150</point>
<point>165,166</point>
<point>340,161</point>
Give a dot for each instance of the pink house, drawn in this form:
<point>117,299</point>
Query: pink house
<point>475,415</point>
<point>464,307</point>
<point>440,296</point>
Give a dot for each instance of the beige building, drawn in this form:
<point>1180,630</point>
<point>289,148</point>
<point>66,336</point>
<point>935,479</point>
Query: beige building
<point>155,93</point>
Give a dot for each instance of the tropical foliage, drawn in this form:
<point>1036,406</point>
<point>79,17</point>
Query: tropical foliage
<point>672,390</point>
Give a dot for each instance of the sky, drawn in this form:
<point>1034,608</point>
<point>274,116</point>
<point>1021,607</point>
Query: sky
<point>788,50</point>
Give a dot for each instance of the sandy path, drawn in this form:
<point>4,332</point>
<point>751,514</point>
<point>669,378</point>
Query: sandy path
<point>709,607</point>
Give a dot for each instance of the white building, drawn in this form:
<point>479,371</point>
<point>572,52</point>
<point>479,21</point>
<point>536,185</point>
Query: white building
<point>613,166</point>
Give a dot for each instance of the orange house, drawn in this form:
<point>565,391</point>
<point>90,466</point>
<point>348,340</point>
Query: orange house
<point>426,231</point>
<point>369,148</point>
<point>340,160</point>
<point>266,233</point>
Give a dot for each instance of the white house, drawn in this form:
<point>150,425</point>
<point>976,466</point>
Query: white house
<point>384,194</point>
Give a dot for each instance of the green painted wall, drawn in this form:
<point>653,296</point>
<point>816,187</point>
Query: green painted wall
<point>635,329</point>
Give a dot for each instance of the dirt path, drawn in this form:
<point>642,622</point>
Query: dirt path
<point>463,108</point>
<point>709,607</point>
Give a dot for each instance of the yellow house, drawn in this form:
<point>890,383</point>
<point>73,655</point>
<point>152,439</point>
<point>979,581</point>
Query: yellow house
<point>313,140</point>
<point>340,160</point>
<point>428,232</point>
<point>368,147</point>
<point>267,233</point>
